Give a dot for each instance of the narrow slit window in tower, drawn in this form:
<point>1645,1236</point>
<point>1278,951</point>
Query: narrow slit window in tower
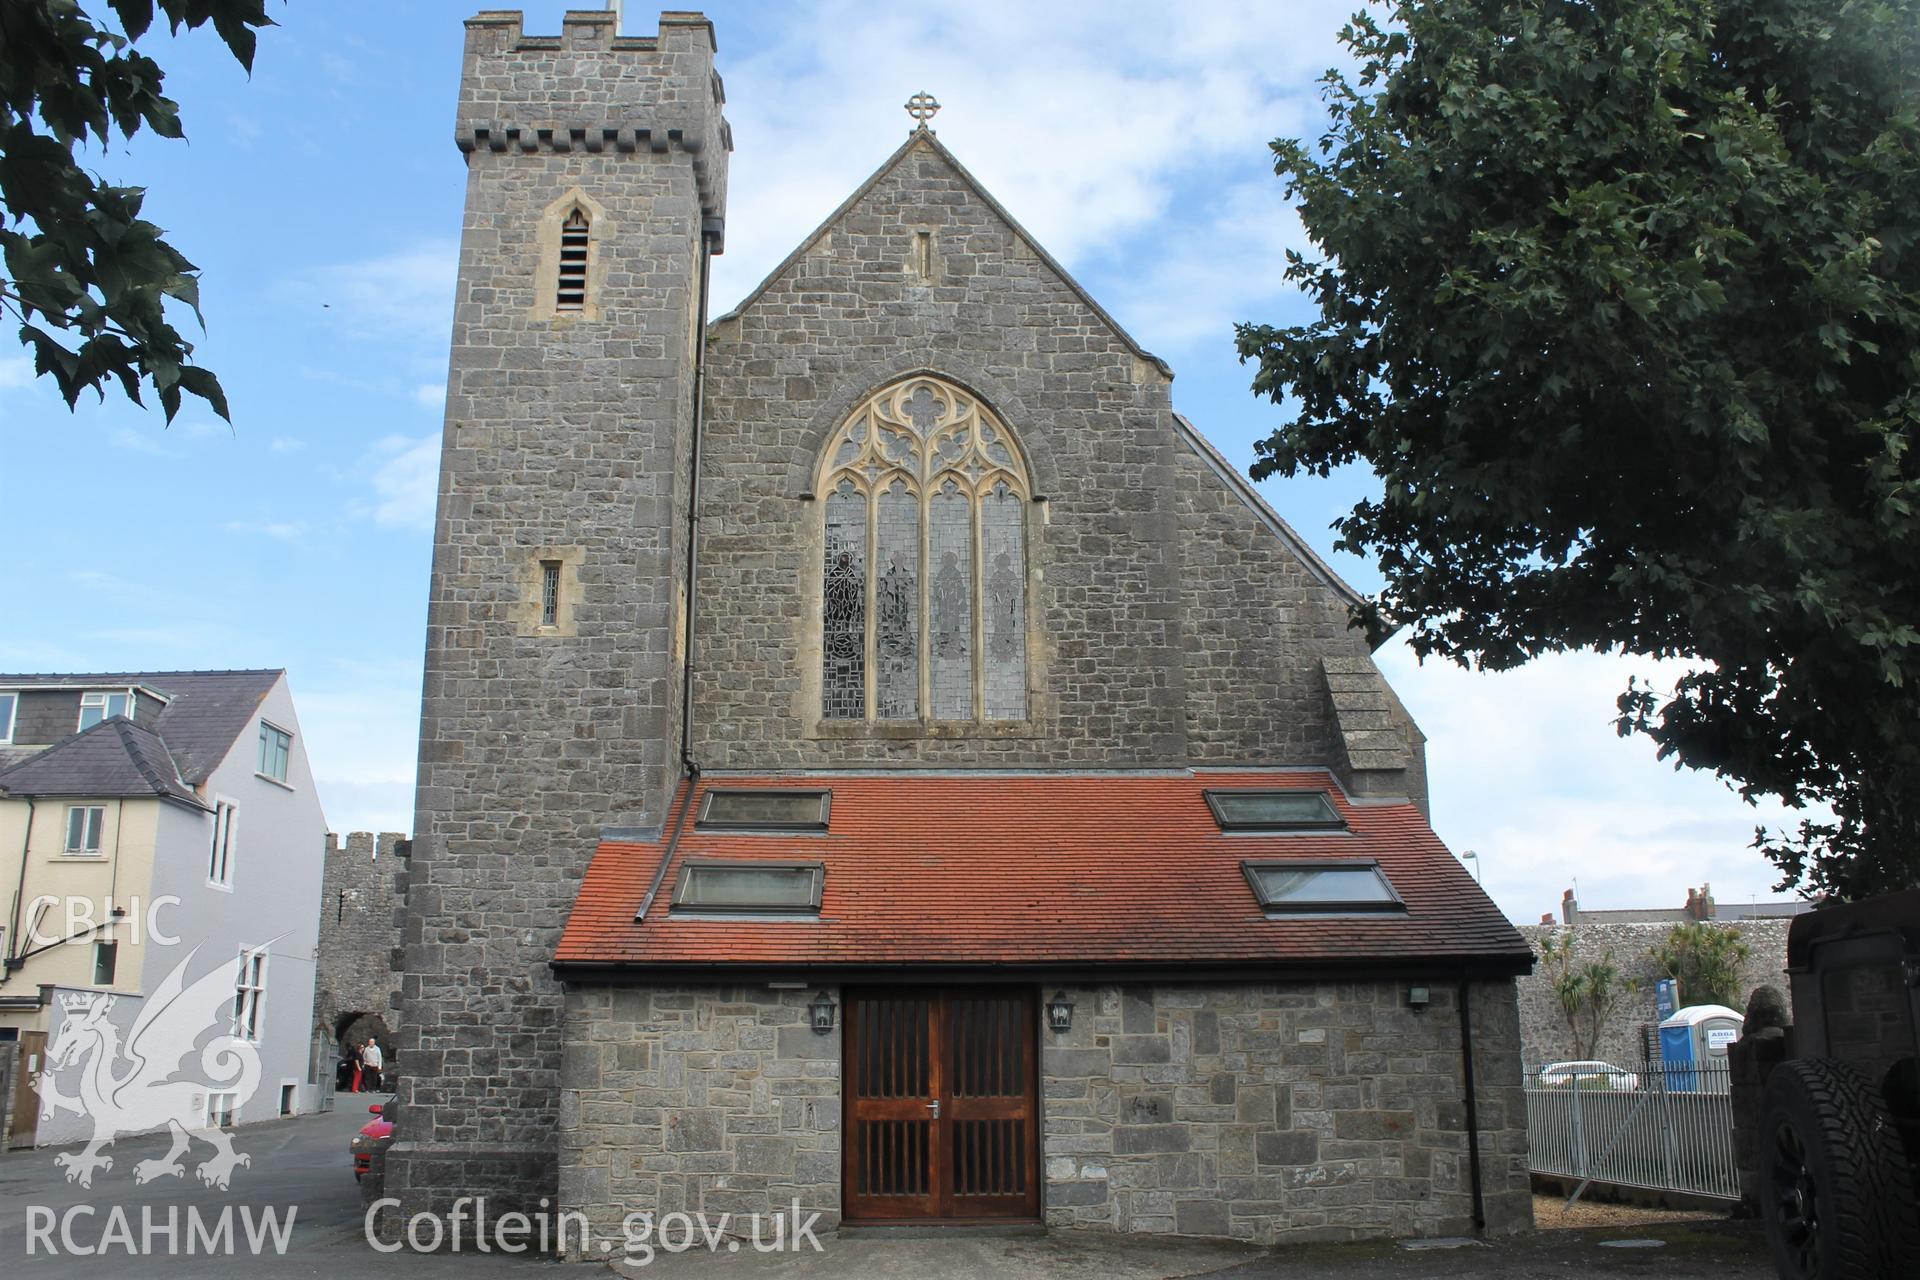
<point>549,593</point>
<point>573,263</point>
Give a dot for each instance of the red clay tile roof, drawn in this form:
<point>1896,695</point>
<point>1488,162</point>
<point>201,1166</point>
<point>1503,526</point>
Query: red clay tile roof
<point>1088,871</point>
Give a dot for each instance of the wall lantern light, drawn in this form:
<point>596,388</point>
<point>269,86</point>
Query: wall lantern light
<point>820,1011</point>
<point>1419,997</point>
<point>1060,1013</point>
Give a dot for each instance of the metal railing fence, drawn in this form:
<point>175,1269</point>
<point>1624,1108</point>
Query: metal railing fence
<point>1662,1126</point>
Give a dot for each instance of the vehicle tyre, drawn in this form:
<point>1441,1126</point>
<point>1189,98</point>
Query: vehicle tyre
<point>1836,1191</point>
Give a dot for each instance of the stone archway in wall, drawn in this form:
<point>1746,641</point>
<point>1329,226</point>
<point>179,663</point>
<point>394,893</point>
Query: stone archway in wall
<point>354,1026</point>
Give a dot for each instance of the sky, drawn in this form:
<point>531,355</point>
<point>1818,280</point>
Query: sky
<point>322,199</point>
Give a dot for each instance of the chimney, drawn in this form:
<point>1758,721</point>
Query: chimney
<point>1706,901</point>
<point>1693,904</point>
<point>1546,917</point>
<point>1569,908</point>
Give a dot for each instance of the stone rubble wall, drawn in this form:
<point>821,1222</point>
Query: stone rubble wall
<point>1263,1112</point>
<point>698,1099</point>
<point>1281,1112</point>
<point>1543,1027</point>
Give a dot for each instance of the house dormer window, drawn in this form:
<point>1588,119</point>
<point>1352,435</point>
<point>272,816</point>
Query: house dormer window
<point>924,587</point>
<point>95,707</point>
<point>571,294</point>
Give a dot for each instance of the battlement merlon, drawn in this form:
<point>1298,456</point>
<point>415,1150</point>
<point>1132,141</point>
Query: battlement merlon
<point>591,89</point>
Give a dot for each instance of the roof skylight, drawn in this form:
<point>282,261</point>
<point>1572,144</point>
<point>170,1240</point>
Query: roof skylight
<point>1286,887</point>
<point>750,888</point>
<point>1274,811</point>
<point>748,810</point>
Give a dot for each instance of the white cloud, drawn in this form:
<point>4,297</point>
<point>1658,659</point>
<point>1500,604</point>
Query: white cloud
<point>1525,768</point>
<point>431,395</point>
<point>15,371</point>
<point>1083,119</point>
<point>407,293</point>
<point>405,479</point>
<point>286,444</point>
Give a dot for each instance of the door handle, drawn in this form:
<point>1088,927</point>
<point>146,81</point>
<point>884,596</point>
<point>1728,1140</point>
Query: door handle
<point>934,1107</point>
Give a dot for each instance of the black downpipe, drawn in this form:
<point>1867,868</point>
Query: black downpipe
<point>693,517</point>
<point>687,762</point>
<point>7,965</point>
<point>1473,1107</point>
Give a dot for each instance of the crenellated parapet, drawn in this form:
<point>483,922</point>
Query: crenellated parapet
<point>590,89</point>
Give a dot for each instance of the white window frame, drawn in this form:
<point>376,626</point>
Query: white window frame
<point>223,1108</point>
<point>101,700</point>
<point>99,825</point>
<point>221,848</point>
<point>250,995</point>
<point>11,698</point>
<point>286,763</point>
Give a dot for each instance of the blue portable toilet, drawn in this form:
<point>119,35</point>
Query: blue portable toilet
<point>1693,1046</point>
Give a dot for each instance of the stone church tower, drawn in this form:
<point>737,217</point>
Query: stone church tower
<point>816,695</point>
<point>596,188</point>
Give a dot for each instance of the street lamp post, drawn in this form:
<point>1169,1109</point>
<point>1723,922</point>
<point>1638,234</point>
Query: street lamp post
<point>1470,856</point>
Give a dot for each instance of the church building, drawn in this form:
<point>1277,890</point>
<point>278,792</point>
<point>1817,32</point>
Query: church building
<point>877,754</point>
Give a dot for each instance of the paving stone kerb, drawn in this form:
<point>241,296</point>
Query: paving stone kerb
<point>1258,1111</point>
<point>1543,1026</point>
<point>1175,623</point>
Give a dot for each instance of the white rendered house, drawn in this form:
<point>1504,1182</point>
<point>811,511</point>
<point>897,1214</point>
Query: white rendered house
<point>146,820</point>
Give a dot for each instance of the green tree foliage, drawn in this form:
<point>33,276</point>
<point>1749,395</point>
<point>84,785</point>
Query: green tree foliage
<point>87,277</point>
<point>1589,992</point>
<point>1705,960</point>
<point>1622,302</point>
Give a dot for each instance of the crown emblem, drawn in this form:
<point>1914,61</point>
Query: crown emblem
<point>81,1001</point>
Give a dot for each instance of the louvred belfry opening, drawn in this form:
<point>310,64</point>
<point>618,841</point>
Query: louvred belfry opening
<point>572,295</point>
<point>941,1104</point>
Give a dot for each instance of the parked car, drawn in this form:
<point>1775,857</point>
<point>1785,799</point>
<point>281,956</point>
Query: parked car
<point>373,1134</point>
<point>1588,1073</point>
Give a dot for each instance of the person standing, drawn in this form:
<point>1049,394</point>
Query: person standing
<point>372,1060</point>
<point>353,1057</point>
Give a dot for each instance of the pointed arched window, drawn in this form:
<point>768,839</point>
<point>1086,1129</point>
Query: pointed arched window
<point>924,593</point>
<point>571,294</point>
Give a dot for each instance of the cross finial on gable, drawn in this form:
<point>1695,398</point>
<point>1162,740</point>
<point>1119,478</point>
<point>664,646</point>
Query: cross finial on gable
<point>921,106</point>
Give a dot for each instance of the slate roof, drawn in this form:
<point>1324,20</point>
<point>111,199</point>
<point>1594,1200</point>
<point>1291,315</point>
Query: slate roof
<point>207,711</point>
<point>1039,871</point>
<point>114,758</point>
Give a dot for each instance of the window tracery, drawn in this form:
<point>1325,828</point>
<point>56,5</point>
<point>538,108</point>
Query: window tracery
<point>924,589</point>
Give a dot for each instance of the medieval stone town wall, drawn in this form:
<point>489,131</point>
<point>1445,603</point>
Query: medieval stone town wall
<point>362,918</point>
<point>1543,1027</point>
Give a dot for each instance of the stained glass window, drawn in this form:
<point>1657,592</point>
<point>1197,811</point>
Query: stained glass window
<point>925,575</point>
<point>1004,592</point>
<point>844,605</point>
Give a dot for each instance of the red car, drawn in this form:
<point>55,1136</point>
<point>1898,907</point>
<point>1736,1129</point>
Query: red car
<point>372,1133</point>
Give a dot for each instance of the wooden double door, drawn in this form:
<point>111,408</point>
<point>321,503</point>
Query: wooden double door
<point>942,1104</point>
